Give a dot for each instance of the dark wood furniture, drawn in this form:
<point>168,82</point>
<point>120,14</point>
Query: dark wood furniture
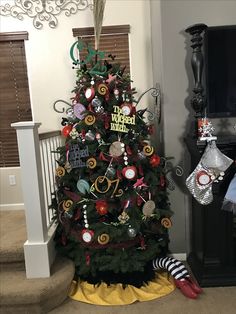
<point>213,238</point>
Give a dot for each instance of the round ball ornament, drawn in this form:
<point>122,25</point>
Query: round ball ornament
<point>102,89</point>
<point>148,150</point>
<point>97,105</point>
<point>79,110</point>
<point>103,239</point>
<point>155,160</point>
<point>126,109</point>
<point>60,172</point>
<point>148,208</point>
<point>102,207</point>
<point>90,93</point>
<point>87,235</point>
<point>131,232</point>
<point>141,155</point>
<point>116,149</point>
<point>203,178</point>
<point>90,136</point>
<point>111,172</point>
<point>83,186</point>
<point>90,119</point>
<point>70,114</point>
<point>96,102</point>
<point>129,172</point>
<point>66,130</point>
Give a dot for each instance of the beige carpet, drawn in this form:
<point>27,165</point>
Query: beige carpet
<point>220,300</point>
<point>12,236</point>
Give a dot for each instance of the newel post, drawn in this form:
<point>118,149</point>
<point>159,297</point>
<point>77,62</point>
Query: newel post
<point>36,248</point>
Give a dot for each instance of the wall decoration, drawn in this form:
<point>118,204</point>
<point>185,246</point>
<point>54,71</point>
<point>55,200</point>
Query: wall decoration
<point>43,10</point>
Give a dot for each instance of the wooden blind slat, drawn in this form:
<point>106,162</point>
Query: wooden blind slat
<point>14,94</point>
<point>113,29</point>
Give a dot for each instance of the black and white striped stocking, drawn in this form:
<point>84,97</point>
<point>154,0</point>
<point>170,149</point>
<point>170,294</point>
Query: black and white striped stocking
<point>172,265</point>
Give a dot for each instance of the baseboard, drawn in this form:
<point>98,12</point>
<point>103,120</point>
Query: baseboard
<point>179,256</point>
<point>19,206</point>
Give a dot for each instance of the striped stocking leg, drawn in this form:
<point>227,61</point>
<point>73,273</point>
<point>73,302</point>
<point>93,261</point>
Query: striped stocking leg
<point>173,266</point>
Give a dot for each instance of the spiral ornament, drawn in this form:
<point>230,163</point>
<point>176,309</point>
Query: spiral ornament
<point>166,222</point>
<point>90,119</point>
<point>60,172</point>
<point>148,150</point>
<point>91,163</point>
<point>102,89</point>
<point>103,239</point>
<point>66,205</point>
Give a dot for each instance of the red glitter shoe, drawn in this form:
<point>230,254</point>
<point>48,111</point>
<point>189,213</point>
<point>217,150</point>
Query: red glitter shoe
<point>185,288</point>
<point>194,285</point>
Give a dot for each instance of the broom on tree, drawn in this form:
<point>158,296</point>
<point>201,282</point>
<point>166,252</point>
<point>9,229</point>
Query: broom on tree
<point>98,12</point>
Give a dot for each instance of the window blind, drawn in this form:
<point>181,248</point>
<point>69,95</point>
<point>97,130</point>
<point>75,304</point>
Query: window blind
<point>14,94</point>
<point>114,40</point>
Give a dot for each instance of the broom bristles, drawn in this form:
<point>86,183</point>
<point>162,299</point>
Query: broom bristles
<point>98,12</point>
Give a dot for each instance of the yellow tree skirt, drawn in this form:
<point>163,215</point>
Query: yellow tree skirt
<point>116,295</point>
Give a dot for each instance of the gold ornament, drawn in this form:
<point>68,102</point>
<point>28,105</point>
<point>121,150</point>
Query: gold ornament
<point>102,89</point>
<point>60,172</point>
<point>101,179</point>
<point>166,222</point>
<point>148,150</point>
<point>67,205</point>
<point>103,239</point>
<point>91,163</point>
<point>123,218</point>
<point>90,119</point>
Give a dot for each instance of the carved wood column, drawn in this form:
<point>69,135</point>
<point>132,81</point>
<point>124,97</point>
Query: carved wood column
<point>198,100</point>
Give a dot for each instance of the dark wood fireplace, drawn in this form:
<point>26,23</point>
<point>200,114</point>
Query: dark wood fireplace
<point>213,230</point>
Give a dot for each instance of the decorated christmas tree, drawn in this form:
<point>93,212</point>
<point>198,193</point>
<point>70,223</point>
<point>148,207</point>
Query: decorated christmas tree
<point>111,200</point>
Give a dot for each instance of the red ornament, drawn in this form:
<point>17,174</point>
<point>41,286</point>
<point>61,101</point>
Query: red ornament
<point>162,181</point>
<point>139,200</point>
<point>151,129</point>
<point>66,130</point>
<point>87,235</point>
<point>155,160</point>
<point>78,214</point>
<point>102,207</point>
<point>128,150</point>
<point>90,93</point>
<point>129,172</point>
<point>203,178</point>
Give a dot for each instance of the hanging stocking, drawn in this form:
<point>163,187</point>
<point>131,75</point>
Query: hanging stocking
<point>210,168</point>
<point>229,203</point>
<point>182,279</point>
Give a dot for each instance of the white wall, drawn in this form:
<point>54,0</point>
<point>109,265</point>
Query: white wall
<point>50,69</point>
<point>177,81</point>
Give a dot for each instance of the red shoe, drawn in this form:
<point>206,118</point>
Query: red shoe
<point>185,288</point>
<point>194,285</point>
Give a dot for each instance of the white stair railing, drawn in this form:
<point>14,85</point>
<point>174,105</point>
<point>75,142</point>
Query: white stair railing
<point>39,248</point>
